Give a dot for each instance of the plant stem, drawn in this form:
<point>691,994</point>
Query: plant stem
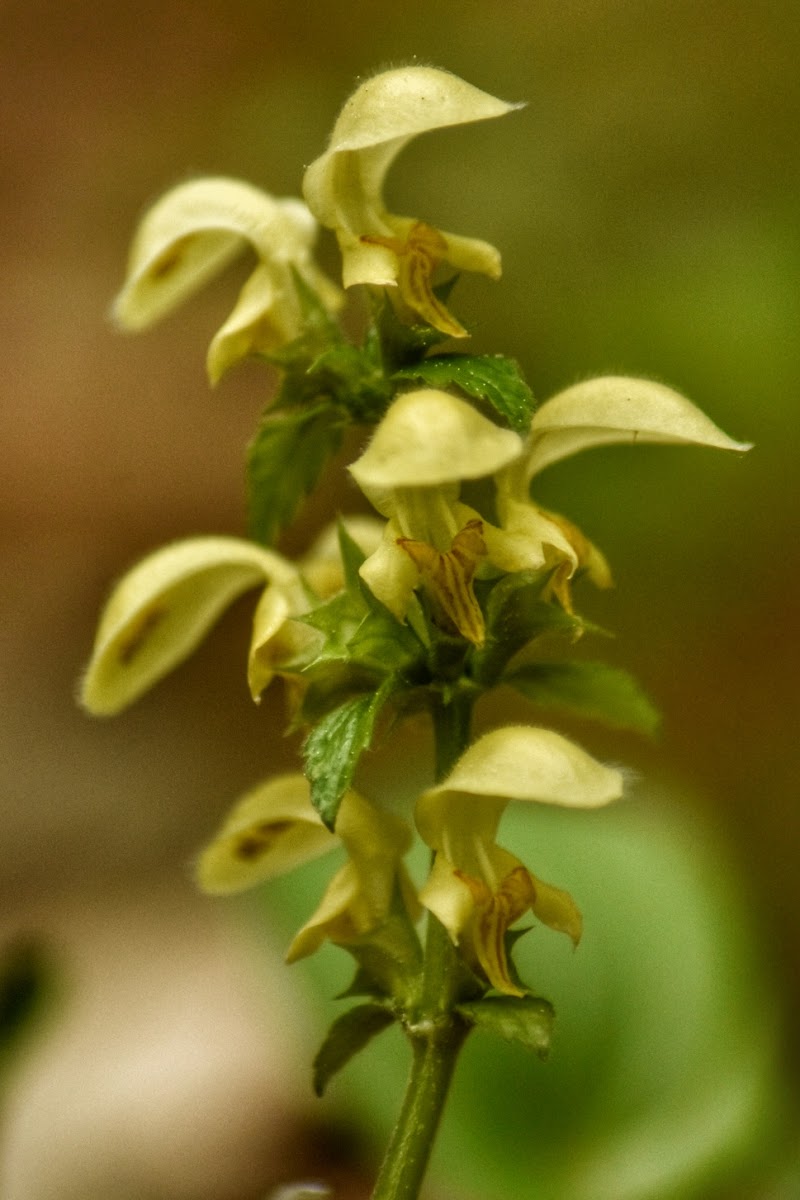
<point>452,724</point>
<point>435,1049</point>
<point>436,1032</point>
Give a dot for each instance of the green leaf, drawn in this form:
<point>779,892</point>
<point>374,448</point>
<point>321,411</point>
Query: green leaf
<point>588,689</point>
<point>382,637</point>
<point>320,328</point>
<point>489,377</point>
<point>363,983</point>
<point>361,639</point>
<point>526,1020</point>
<point>515,616</point>
<point>284,461</point>
<point>334,746</point>
<point>347,1036</point>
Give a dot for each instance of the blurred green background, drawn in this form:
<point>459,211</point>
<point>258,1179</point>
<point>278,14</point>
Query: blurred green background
<point>646,205</point>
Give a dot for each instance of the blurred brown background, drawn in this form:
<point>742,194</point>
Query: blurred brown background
<point>646,204</point>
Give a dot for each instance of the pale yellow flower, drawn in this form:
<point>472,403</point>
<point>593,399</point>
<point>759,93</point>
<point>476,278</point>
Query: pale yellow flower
<point>616,409</point>
<point>270,831</point>
<point>596,412</point>
<point>363,893</point>
<point>427,444</point>
<point>476,888</point>
<point>344,186</point>
<point>193,232</point>
<point>162,609</point>
<point>275,828</point>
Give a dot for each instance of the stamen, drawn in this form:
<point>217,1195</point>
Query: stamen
<point>485,864</point>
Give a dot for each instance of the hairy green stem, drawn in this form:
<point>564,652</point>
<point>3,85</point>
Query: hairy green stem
<point>452,723</point>
<point>435,1047</point>
<point>435,1030</point>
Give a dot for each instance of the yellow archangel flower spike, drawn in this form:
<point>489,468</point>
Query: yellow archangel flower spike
<point>448,578</point>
